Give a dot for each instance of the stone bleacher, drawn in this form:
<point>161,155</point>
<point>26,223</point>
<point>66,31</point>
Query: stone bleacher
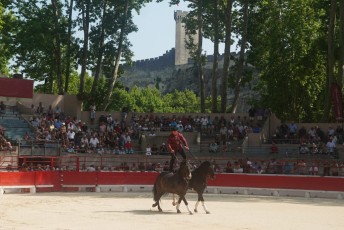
<point>15,126</point>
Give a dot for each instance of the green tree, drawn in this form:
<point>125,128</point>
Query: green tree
<point>125,26</point>
<point>243,16</point>
<point>284,38</point>
<point>37,38</point>
<point>6,30</point>
<point>226,6</point>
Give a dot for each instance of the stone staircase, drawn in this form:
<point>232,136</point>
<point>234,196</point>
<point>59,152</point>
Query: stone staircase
<point>15,126</point>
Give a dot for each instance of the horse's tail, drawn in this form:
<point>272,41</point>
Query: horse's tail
<point>155,192</point>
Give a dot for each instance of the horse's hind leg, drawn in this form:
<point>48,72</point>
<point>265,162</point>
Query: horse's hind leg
<point>197,203</point>
<point>157,202</point>
<point>186,204</point>
<point>178,204</point>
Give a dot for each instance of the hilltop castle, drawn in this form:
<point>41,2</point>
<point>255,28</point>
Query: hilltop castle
<point>176,56</point>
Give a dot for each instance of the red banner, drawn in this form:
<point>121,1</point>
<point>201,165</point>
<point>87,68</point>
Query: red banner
<point>337,101</point>
<point>10,87</point>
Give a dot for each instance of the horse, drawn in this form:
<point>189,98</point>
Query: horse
<point>198,182</point>
<point>176,183</point>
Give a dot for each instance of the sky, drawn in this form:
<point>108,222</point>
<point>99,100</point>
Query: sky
<point>156,31</point>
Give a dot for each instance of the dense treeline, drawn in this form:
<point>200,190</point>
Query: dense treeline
<point>76,47</point>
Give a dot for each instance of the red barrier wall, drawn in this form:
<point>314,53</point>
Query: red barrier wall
<point>147,178</point>
<point>17,178</point>
<point>279,181</point>
<point>10,87</point>
<point>132,178</point>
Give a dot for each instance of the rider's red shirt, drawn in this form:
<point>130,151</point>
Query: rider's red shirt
<point>175,142</point>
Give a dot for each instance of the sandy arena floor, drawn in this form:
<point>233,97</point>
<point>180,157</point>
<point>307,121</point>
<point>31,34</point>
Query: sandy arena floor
<point>62,211</point>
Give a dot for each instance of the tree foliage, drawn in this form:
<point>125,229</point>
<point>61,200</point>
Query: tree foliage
<point>284,38</point>
<point>296,47</point>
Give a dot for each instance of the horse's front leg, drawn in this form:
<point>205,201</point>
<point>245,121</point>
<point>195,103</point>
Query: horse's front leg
<point>201,199</point>
<point>174,200</point>
<point>178,204</point>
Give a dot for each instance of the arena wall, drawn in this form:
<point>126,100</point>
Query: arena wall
<point>57,181</point>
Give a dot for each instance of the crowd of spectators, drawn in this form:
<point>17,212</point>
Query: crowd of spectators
<point>311,141</point>
<point>5,145</point>
<point>275,166</point>
<point>114,136</point>
<point>272,166</point>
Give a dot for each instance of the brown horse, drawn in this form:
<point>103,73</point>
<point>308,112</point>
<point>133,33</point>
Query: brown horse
<point>198,182</point>
<point>176,183</point>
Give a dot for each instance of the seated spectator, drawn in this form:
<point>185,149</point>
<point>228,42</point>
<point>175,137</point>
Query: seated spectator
<point>213,147</point>
<point>2,107</point>
<point>134,168</point>
<point>70,135</point>
<point>274,148</point>
<point>121,150</point>
<point>40,108</point>
<point>314,149</point>
<point>166,167</point>
<point>188,128</point>
<point>152,133</point>
<point>302,134</point>
<point>128,147</point>
<point>155,149</point>
<point>163,149</point>
<point>27,137</point>
<point>158,167</point>
<point>94,142</point>
<point>84,143</point>
<point>4,144</point>
<point>303,149</point>
<point>124,166</point>
<point>180,126</point>
<point>142,167</point>
<point>292,129</point>
<point>216,167</point>
<point>92,112</point>
<point>70,148</point>
<point>260,169</point>
<point>312,134</point>
<point>100,149</point>
<point>9,168</point>
<point>148,150</point>
<point>47,136</point>
<point>330,146</point>
<point>313,170</point>
<point>237,168</point>
<point>173,124</point>
<point>91,168</point>
<point>330,131</point>
<point>287,167</point>
<point>229,167</point>
<point>50,112</point>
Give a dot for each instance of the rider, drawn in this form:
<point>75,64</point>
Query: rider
<point>175,144</point>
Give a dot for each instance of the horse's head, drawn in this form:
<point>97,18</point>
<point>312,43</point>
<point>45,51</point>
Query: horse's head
<point>209,171</point>
<point>185,170</point>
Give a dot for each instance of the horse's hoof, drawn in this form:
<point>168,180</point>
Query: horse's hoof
<point>154,205</point>
<point>195,210</point>
<point>178,211</point>
<point>207,212</point>
<point>160,210</point>
<point>191,213</point>
<point>174,203</point>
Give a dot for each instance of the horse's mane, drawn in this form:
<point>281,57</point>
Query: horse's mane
<point>202,167</point>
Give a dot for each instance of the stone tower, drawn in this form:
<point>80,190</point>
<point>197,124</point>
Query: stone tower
<point>181,53</point>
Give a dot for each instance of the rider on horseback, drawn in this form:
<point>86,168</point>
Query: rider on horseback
<point>175,144</point>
